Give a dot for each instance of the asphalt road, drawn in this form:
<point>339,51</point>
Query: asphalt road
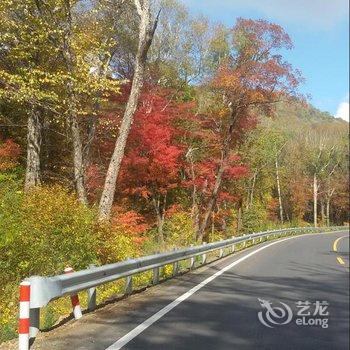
<point>223,313</point>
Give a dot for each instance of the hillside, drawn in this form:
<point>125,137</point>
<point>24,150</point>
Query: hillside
<point>306,113</point>
<point>301,117</point>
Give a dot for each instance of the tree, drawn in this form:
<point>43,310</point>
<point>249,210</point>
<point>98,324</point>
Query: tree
<point>320,158</point>
<point>26,74</point>
<point>333,177</point>
<point>154,157</point>
<point>254,77</point>
<point>261,151</point>
<point>146,33</point>
<point>185,49</point>
<point>204,182</point>
<point>86,64</point>
<point>203,158</point>
<point>151,172</point>
<point>55,71</point>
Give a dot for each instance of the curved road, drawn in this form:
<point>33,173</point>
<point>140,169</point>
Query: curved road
<point>303,283</point>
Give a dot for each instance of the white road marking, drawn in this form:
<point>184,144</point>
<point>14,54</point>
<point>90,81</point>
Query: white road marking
<point>147,323</point>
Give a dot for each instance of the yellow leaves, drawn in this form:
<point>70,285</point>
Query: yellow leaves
<point>59,229</point>
<point>35,69</point>
<point>223,113</point>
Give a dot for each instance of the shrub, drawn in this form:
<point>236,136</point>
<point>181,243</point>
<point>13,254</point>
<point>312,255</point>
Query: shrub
<point>255,219</point>
<point>42,232</point>
<point>115,244</point>
<point>178,229</point>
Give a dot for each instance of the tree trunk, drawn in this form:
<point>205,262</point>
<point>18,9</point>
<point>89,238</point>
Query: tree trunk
<point>223,219</point>
<point>160,224</point>
<point>195,219</point>
<point>279,192</point>
<point>212,199</point>
<point>219,175</point>
<point>160,214</point>
<point>91,132</point>
<point>146,33</point>
<point>328,204</point>
<point>323,216</point>
<point>195,208</point>
<point>34,139</point>
<point>239,219</point>
<point>33,174</point>
<point>315,190</point>
<point>78,162</point>
<point>248,196</point>
<point>252,190</point>
<point>212,225</point>
<point>223,225</point>
<point>72,114</point>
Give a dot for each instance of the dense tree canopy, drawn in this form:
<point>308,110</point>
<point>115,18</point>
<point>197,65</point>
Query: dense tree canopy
<point>200,135</point>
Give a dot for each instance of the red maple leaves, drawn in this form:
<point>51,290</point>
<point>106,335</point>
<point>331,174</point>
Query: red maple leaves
<point>155,168</point>
<point>9,153</point>
<point>154,156</point>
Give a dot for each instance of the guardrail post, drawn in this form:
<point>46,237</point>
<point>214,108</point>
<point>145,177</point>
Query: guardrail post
<point>175,266</point>
<point>128,285</point>
<point>204,255</point>
<point>233,246</point>
<point>221,252</point>
<point>34,315</point>
<point>91,294</point>
<point>24,320</point>
<point>192,260</point>
<point>156,275</point>
<point>74,299</point>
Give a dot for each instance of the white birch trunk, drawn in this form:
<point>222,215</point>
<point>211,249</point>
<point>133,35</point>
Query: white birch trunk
<point>146,33</point>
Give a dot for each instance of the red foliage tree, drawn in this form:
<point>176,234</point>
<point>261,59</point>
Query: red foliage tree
<point>130,222</point>
<point>151,167</point>
<point>252,79</point>
<point>154,157</point>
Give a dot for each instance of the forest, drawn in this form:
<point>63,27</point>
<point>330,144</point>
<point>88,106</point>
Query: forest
<point>130,127</point>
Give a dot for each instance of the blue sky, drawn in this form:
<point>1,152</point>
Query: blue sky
<point>320,32</point>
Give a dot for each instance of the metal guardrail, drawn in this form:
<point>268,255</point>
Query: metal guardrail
<point>45,289</point>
